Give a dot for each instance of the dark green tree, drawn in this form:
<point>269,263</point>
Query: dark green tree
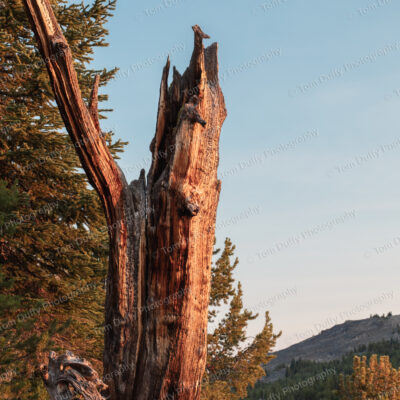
<point>234,360</point>
<point>53,243</point>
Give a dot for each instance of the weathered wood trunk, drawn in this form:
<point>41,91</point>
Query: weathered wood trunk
<point>162,226</point>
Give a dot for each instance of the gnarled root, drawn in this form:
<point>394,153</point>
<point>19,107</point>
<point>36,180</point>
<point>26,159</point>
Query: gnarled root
<point>68,377</point>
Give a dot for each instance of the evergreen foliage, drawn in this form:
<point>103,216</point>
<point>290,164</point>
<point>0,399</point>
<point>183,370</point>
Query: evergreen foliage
<point>233,361</point>
<point>53,246</point>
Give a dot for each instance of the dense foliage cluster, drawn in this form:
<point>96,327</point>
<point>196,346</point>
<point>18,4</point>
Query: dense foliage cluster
<point>53,242</point>
<point>376,380</point>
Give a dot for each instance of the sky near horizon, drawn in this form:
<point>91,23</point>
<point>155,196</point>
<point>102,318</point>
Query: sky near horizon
<point>309,152</point>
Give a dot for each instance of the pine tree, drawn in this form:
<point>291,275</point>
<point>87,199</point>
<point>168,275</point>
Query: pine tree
<point>233,362</point>
<point>377,380</point>
<point>15,340</point>
<point>53,246</point>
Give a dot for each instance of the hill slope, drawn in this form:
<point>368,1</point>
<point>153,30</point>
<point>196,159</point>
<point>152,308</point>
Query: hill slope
<point>333,343</point>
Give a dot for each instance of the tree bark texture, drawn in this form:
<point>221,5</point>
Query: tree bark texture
<point>162,225</point>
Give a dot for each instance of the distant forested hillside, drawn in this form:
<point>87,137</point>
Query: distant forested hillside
<point>309,380</point>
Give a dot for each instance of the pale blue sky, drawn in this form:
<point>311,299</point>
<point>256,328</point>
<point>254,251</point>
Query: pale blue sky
<point>336,124</point>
